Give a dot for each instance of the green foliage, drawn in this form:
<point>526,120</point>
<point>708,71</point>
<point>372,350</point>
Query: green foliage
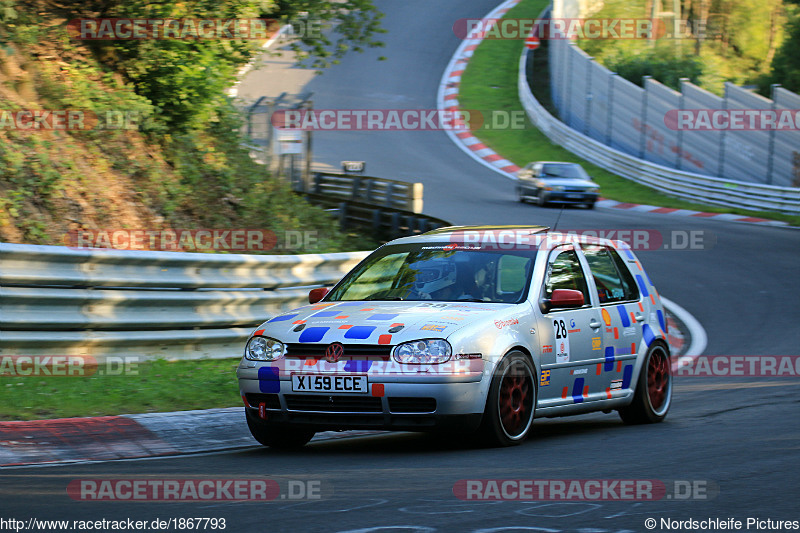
<point>786,64</point>
<point>355,23</point>
<point>738,41</point>
<point>8,11</point>
<point>661,63</point>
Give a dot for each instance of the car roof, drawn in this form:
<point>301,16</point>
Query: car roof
<point>445,233</point>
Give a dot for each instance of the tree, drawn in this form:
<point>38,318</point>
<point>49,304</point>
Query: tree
<point>786,64</point>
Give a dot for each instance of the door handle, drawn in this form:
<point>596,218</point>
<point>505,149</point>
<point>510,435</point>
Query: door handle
<point>594,324</point>
<point>639,317</point>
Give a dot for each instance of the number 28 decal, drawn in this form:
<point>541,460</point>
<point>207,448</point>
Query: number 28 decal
<point>561,341</point>
<point>560,328</point>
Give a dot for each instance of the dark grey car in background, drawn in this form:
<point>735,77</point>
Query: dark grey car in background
<point>550,181</point>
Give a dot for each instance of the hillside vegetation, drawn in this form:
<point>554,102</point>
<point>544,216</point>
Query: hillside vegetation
<point>164,150</point>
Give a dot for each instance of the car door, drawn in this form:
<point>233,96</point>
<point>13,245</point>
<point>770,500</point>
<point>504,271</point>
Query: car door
<point>621,312</point>
<point>569,337</point>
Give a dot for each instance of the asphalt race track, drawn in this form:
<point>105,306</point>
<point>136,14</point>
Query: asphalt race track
<point>736,439</point>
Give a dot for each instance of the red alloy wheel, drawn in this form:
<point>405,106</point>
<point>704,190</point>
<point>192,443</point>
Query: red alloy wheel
<point>514,403</point>
<point>657,378</point>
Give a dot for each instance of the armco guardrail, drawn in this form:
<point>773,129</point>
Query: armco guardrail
<point>379,192</point>
<point>385,223</point>
<point>687,185</point>
<point>59,301</point>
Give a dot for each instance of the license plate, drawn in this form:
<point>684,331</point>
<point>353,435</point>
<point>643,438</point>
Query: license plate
<point>329,383</point>
<point>574,196</point>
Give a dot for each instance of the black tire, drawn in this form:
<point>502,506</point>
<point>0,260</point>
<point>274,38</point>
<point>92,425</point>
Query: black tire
<point>653,395</point>
<point>511,404</point>
<point>277,435</point>
<point>590,205</point>
<point>540,201</point>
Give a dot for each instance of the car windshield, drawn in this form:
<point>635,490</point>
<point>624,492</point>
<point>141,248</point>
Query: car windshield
<point>439,272</point>
<point>565,171</point>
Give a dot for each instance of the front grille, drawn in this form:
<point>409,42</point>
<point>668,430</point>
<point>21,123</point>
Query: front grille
<point>361,352</point>
<point>412,405</point>
<point>574,189</point>
<point>333,404</point>
<point>271,400</point>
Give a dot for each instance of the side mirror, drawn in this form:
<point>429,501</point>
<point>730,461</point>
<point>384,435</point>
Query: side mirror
<point>563,298</point>
<point>318,294</point>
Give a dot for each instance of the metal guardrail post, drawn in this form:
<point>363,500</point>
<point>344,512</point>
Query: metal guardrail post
<point>610,110</point>
<point>395,229</point>
<point>377,220</point>
<point>679,150</point>
<point>721,163</point>
<point>771,149</point>
<point>568,99</point>
<point>589,99</point>
<point>368,190</point>
<point>389,201</point>
<point>355,188</point>
<point>643,136</point>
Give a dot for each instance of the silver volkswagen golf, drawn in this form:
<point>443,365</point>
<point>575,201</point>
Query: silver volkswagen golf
<point>469,329</point>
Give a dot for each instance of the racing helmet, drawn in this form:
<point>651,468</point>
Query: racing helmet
<point>434,274</point>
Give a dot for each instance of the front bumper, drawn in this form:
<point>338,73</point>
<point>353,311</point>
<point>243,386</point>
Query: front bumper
<point>409,402</point>
<point>567,197</point>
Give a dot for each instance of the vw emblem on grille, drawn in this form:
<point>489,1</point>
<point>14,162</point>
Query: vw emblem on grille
<point>334,352</point>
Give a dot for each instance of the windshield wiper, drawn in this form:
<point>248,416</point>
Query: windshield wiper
<point>386,298</point>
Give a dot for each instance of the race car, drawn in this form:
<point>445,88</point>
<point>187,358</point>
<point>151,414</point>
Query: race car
<point>468,329</point>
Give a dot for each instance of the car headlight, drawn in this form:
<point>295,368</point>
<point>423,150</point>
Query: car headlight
<point>558,188</point>
<point>263,349</point>
<point>428,351</point>
<point>593,189</point>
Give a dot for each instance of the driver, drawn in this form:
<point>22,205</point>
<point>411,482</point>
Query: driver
<point>445,279</point>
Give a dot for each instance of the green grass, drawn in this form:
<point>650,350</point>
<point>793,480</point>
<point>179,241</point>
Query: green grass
<point>146,387</point>
<point>490,83</point>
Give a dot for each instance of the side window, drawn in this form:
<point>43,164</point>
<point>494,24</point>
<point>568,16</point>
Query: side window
<point>613,280</point>
<point>564,272</point>
<point>628,283</point>
<point>536,169</point>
